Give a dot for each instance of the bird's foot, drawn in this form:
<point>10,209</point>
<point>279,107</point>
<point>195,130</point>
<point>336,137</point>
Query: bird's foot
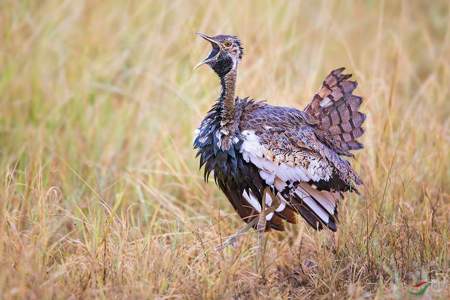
<point>231,240</point>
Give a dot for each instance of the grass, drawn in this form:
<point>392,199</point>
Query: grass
<point>100,194</point>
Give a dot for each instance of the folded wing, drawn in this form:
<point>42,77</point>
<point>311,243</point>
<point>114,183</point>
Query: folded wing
<point>290,175</point>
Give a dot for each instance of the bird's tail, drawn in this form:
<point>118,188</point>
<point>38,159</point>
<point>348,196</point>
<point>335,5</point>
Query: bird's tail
<point>334,110</point>
<point>318,208</point>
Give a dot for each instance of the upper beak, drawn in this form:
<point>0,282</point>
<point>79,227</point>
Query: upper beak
<point>206,37</point>
<point>212,55</point>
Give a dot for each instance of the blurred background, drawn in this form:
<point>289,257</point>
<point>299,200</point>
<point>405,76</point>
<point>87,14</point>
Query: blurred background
<point>100,192</point>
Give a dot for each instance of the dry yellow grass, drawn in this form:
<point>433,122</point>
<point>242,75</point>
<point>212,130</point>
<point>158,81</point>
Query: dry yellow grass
<point>100,192</point>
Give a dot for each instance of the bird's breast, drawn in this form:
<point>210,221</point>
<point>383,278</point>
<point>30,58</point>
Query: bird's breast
<point>218,150</point>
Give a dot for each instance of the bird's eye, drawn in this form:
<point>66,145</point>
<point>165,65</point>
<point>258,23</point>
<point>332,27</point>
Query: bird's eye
<point>227,44</point>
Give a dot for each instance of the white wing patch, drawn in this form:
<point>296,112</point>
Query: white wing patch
<point>253,151</point>
<point>251,145</point>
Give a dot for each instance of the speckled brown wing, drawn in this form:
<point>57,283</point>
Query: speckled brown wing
<point>287,138</point>
<point>303,172</point>
<point>334,111</point>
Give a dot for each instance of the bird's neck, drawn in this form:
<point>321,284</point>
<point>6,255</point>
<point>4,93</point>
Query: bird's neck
<point>227,96</point>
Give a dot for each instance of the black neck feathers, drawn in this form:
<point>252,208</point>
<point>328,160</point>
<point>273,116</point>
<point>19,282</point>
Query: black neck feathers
<point>225,68</point>
<point>222,65</point>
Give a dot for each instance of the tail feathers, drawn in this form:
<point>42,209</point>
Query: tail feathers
<point>308,215</point>
<point>327,200</point>
<point>335,112</point>
<point>318,208</point>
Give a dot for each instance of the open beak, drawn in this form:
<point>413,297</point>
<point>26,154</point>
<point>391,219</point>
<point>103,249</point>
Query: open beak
<point>214,52</point>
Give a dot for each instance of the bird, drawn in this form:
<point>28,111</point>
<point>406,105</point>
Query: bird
<point>274,163</point>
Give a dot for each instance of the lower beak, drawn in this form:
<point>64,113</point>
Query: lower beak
<point>209,58</point>
<point>200,64</point>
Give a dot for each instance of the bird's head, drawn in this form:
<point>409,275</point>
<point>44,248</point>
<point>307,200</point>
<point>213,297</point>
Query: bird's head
<point>225,55</point>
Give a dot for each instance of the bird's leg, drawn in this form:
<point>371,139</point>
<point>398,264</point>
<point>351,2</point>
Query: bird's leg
<point>260,223</point>
<point>233,238</point>
<point>261,226</point>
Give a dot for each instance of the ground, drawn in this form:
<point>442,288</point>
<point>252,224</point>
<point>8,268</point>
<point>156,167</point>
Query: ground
<point>100,191</point>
